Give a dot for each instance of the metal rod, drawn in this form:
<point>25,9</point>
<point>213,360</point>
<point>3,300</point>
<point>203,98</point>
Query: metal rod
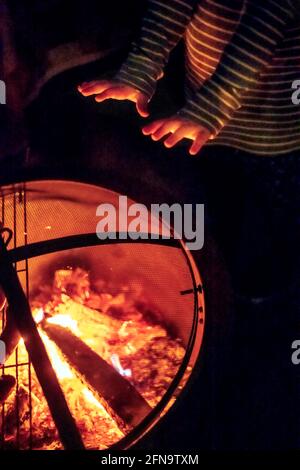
<point>16,351</point>
<point>3,324</point>
<point>23,199</point>
<point>20,310</point>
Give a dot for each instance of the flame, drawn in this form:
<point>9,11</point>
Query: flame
<point>38,315</point>
<point>115,360</point>
<point>64,373</point>
<point>138,350</point>
<point>123,330</point>
<point>66,321</point>
<point>90,397</point>
<point>62,369</point>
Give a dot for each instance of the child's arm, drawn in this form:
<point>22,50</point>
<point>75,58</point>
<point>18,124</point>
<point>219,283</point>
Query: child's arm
<point>261,28</point>
<point>162,28</point>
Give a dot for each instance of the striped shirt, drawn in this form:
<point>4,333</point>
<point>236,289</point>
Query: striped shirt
<point>242,58</point>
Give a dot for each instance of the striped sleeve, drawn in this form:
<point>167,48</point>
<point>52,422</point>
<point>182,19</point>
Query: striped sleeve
<point>262,26</point>
<point>162,28</point>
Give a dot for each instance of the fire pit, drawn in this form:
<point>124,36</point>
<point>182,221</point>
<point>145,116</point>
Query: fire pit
<point>121,320</point>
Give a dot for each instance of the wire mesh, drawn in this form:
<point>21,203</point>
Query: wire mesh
<point>21,210</point>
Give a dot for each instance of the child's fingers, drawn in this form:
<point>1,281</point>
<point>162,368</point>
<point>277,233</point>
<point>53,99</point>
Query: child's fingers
<point>93,88</point>
<point>152,127</point>
<point>198,143</point>
<point>117,93</point>
<point>166,128</point>
<point>174,138</point>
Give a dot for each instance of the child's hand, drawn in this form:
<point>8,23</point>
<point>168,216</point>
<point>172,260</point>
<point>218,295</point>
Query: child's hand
<point>107,89</point>
<point>179,128</point>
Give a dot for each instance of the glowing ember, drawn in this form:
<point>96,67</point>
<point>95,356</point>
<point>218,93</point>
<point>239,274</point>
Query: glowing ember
<point>114,327</point>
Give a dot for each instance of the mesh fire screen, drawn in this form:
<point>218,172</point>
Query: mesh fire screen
<point>121,320</point>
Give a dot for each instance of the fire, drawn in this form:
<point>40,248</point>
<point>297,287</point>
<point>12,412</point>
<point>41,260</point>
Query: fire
<point>115,360</point>
<point>91,398</point>
<point>38,315</point>
<point>112,326</point>
<point>60,366</point>
<point>66,321</point>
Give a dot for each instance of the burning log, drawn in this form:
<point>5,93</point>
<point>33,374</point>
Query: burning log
<point>104,333</point>
<point>122,401</point>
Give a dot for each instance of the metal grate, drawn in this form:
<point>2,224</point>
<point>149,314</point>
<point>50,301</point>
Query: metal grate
<point>19,237</point>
